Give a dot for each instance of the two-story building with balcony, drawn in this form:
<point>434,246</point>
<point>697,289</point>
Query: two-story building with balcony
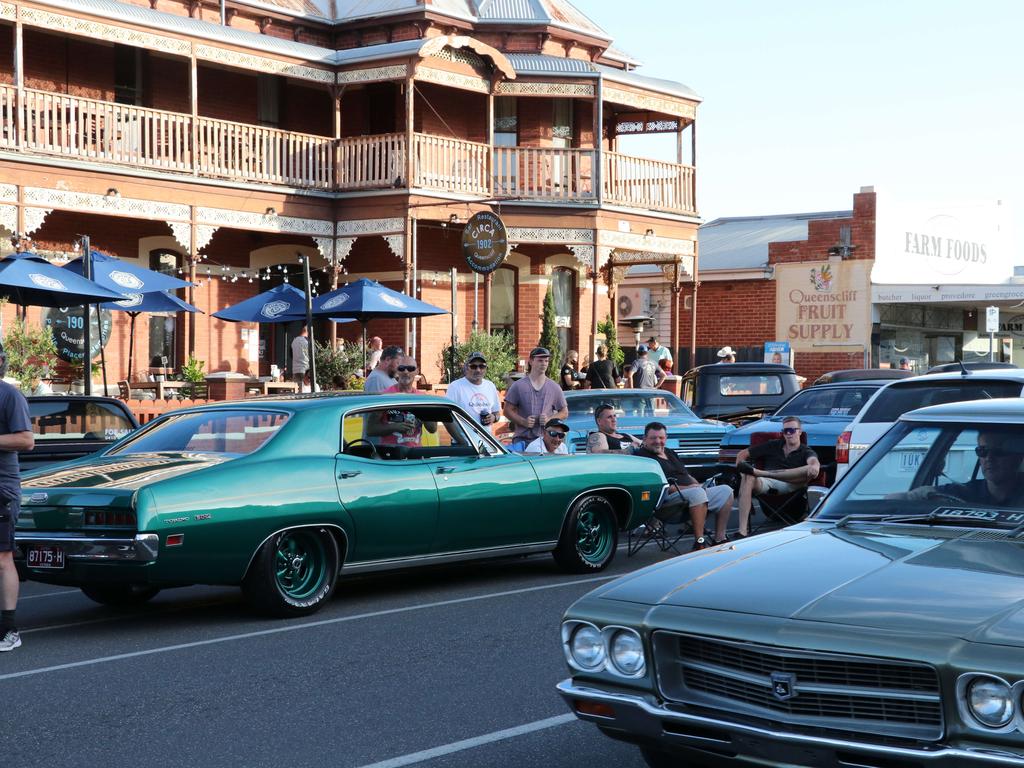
<point>221,143</point>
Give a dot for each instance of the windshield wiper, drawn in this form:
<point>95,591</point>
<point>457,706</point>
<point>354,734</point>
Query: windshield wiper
<point>931,518</point>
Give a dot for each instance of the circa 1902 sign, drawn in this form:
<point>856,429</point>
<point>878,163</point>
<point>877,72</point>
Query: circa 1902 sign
<point>484,242</point>
<point>67,324</point>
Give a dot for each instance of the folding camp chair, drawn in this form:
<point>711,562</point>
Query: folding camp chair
<point>785,508</point>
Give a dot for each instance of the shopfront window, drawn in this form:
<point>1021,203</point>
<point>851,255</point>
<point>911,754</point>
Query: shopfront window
<point>163,328</point>
<point>563,284</point>
<point>923,334</point>
<point>503,301</point>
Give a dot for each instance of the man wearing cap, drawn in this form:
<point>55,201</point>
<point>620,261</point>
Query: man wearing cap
<point>726,355</point>
<point>905,364</point>
<point>644,374</point>
<point>552,440</point>
<point>475,393</point>
<point>656,352</point>
<point>533,400</point>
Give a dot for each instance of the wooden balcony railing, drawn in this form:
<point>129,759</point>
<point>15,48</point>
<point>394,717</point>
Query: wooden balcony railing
<point>650,184</point>
<point>544,173</point>
<point>89,129</point>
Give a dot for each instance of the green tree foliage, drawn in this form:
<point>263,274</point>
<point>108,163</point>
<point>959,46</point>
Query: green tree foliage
<point>498,348</point>
<point>31,353</point>
<point>615,353</point>
<point>193,373</point>
<point>336,368</point>
<point>549,335</point>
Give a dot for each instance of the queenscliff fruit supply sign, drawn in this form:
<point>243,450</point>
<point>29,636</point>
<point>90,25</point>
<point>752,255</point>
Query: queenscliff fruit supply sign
<point>960,244</point>
<point>823,305</point>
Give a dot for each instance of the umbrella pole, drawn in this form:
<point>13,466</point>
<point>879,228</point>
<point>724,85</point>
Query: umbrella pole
<point>365,372</point>
<point>131,346</point>
<point>103,356</point>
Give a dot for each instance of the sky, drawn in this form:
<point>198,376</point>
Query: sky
<point>806,102</point>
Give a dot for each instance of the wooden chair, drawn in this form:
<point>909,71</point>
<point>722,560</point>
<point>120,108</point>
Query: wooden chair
<point>124,391</point>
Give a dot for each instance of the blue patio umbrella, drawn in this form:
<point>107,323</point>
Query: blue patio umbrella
<point>32,281</point>
<point>366,300</point>
<point>137,303</point>
<point>125,277</point>
<point>282,304</point>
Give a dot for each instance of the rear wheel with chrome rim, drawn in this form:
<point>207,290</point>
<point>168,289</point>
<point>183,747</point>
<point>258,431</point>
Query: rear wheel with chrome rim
<point>294,572</point>
<point>589,536</point>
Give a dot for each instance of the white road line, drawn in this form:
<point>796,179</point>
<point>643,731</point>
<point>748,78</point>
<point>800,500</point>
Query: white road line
<point>459,746</point>
<point>23,598</point>
<point>296,627</point>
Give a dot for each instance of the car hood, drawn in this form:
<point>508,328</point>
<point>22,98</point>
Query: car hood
<point>129,471</point>
<point>932,582</point>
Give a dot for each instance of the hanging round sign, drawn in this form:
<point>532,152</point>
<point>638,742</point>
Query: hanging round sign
<point>485,242</point>
<point>67,324</point>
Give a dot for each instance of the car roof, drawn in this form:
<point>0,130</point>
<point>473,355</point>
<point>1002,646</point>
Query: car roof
<point>845,385</point>
<point>996,411</point>
<point>734,368</point>
<point>581,393</point>
<point>863,374</point>
<point>316,400</point>
<point>996,374</point>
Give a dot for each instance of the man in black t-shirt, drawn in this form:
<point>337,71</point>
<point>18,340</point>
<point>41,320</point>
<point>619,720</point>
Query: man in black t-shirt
<point>788,466</point>
<point>602,373</point>
<point>569,376</point>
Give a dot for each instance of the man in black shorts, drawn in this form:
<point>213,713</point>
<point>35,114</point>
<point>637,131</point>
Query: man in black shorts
<point>15,435</point>
<point>788,467</point>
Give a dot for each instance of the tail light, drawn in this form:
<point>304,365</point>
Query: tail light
<point>843,447</point>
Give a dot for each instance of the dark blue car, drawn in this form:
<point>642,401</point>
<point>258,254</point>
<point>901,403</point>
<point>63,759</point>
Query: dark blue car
<point>825,411</point>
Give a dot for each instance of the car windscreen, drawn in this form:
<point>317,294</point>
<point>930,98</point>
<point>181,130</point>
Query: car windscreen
<point>839,401</point>
<point>898,399</point>
<point>734,386</point>
<point>77,420</point>
<point>235,432</point>
<point>952,471</point>
<point>639,405</point>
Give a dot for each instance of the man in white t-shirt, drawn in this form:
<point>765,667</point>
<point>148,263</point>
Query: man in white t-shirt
<point>552,439</point>
<point>300,355</point>
<point>475,393</point>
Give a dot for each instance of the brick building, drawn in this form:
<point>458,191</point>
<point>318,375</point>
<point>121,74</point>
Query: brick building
<point>221,144</point>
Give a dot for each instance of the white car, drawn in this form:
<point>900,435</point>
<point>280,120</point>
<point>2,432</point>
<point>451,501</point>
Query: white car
<point>903,395</point>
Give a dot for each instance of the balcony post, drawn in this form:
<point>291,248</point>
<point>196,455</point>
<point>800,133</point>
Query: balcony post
<point>410,100</point>
<point>191,316</point>
<point>193,105</point>
<point>693,309</point>
<point>490,153</point>
<point>693,177</point>
<point>19,82</point>
<point>599,145</point>
<point>336,93</point>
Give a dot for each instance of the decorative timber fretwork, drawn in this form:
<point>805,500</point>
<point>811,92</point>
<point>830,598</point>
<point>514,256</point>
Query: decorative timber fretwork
<point>461,55</point>
<point>326,247</point>
<point>374,75</point>
<point>84,202</point>
<point>34,218</point>
<point>516,88</point>
<point>396,244</point>
<point>628,241</point>
<point>263,64</point>
<point>98,30</point>
<point>357,227</point>
<point>181,231</point>
<point>225,217</point>
<point>550,235</point>
<point>425,73</point>
<point>9,218</point>
<point>204,234</point>
<point>584,256</point>
<point>8,193</point>
<point>632,123</point>
<point>343,247</point>
<point>8,11</point>
<point>649,102</point>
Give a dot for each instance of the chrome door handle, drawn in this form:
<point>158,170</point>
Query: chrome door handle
<point>347,475</point>
<point>445,470</point>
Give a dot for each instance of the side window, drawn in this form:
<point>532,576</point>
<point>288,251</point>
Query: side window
<point>406,433</point>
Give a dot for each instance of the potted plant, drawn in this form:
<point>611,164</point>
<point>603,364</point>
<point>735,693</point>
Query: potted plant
<point>193,373</point>
<point>31,354</point>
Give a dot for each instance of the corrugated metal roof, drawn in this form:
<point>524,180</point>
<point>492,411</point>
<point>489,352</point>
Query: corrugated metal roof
<point>169,22</point>
<point>617,54</point>
<point>742,242</point>
<point>536,64</point>
<point>376,52</point>
<point>558,13</point>
<point>346,10</point>
<point>669,87</point>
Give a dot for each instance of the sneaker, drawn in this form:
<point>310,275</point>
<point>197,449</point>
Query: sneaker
<point>724,540</point>
<point>699,543</point>
<point>10,641</point>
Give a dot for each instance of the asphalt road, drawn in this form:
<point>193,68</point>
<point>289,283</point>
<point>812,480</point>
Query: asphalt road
<point>448,667</point>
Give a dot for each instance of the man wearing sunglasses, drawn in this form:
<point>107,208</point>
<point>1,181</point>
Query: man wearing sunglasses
<point>475,393</point>
<point>1001,483</point>
<point>552,440</point>
<point>789,465</point>
<point>396,426</point>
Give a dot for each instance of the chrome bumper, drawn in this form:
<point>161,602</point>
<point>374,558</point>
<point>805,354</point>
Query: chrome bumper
<point>142,548</point>
<point>639,719</point>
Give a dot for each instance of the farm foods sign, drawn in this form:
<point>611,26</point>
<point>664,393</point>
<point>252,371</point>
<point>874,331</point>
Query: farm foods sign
<point>823,304</point>
<point>942,245</point>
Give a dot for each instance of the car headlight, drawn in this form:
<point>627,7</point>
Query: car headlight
<point>990,701</point>
<point>627,652</point>
<point>587,647</point>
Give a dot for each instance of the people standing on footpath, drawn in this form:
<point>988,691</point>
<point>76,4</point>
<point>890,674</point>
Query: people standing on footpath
<point>376,348</point>
<point>552,440</point>
<point>534,400</point>
<point>656,353</point>
<point>383,374</point>
<point>405,376</point>
<point>603,373</point>
<point>300,355</point>
<point>569,377</point>
<point>644,374</point>
<point>15,435</point>
<point>475,393</point>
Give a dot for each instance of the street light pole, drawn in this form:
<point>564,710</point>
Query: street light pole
<point>87,326</point>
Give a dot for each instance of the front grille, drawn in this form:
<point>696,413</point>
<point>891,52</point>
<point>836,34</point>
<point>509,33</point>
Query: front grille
<point>890,698</point>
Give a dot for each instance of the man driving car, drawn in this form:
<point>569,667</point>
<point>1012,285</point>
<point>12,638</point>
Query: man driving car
<point>1001,482</point>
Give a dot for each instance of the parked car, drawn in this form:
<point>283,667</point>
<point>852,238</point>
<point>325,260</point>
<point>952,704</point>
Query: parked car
<point>695,440</point>
<point>895,399</point>
<point>959,367</point>
<point>738,392</point>
<point>824,411</point>
<point>862,374</point>
<point>280,495</point>
<point>68,427</point>
<point>884,631</point>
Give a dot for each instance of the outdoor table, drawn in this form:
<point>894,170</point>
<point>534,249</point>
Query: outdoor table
<point>161,388</point>
<point>269,387</point>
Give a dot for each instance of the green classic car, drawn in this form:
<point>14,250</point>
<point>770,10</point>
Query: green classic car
<point>280,495</point>
<point>885,631</point>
